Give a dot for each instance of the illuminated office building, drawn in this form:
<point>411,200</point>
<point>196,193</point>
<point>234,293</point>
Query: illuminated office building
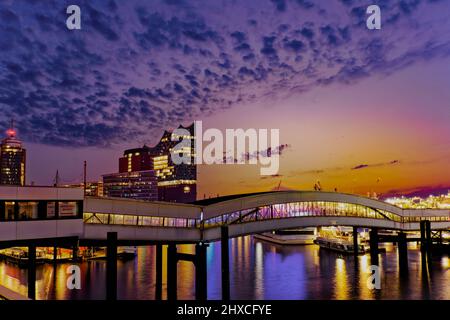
<point>176,183</point>
<point>93,189</point>
<point>135,178</point>
<point>141,185</point>
<point>12,160</point>
<point>139,159</point>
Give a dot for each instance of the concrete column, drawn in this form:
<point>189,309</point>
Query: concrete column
<point>111,266</point>
<point>16,210</point>
<point>428,236</point>
<point>355,241</point>
<point>3,216</point>
<point>373,246</point>
<point>423,236</point>
<point>424,245</point>
<point>32,272</point>
<point>158,288</point>
<point>172,272</point>
<point>403,252</point>
<point>75,253</point>
<point>225,263</point>
<point>56,210</point>
<point>200,272</point>
<point>55,254</point>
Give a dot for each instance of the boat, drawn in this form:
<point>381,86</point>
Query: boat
<point>126,253</point>
<point>289,237</point>
<point>19,255</point>
<point>123,253</point>
<point>338,245</point>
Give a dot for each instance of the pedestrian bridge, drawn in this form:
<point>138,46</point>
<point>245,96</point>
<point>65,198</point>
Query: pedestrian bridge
<point>42,217</point>
<point>29,213</point>
<point>247,214</point>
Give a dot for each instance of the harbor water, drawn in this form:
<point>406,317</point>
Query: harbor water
<point>258,270</point>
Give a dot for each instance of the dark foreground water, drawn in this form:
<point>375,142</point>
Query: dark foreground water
<point>259,270</point>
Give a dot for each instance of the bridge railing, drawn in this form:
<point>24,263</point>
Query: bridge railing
<point>314,209</point>
<point>422,218</point>
<point>139,220</point>
<point>275,211</point>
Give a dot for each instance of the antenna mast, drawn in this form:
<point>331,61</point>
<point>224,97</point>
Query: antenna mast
<point>56,178</point>
<point>84,177</point>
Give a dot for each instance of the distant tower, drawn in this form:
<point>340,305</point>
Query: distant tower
<point>12,159</point>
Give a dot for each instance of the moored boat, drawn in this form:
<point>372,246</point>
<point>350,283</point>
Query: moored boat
<point>338,245</point>
<point>126,253</point>
<point>123,253</point>
<point>289,237</point>
<point>19,255</point>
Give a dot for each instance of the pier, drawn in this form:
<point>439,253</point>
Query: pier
<point>113,222</point>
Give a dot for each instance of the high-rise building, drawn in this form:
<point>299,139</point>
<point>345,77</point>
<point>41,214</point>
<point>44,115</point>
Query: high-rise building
<point>93,189</point>
<point>135,179</point>
<point>140,185</point>
<point>12,159</point>
<point>175,182</point>
<point>139,159</point>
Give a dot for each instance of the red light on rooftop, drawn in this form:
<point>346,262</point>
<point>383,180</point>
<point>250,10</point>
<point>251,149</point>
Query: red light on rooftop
<point>11,133</point>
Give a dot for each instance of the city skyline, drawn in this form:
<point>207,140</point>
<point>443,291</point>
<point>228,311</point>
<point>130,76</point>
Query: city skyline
<point>213,153</point>
<point>369,113</point>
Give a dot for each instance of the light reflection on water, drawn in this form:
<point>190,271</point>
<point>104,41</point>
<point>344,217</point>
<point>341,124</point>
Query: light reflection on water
<point>258,270</point>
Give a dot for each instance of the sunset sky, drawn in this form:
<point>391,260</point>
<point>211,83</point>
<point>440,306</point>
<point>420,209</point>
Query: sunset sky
<point>360,110</point>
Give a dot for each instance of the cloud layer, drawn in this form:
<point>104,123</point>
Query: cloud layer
<point>137,67</point>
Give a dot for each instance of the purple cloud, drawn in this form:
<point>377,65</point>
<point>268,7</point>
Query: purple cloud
<point>136,68</point>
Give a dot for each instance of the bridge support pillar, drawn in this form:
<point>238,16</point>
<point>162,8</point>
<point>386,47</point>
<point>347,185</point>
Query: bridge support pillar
<point>32,272</point>
<point>425,239</point>
<point>428,236</point>
<point>111,266</point>
<point>200,271</point>
<point>373,242</point>
<point>225,263</point>
<point>172,272</point>
<point>158,287</point>
<point>75,253</point>
<point>423,242</point>
<point>355,241</point>
<point>55,254</point>
<point>423,236</point>
<point>402,252</point>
